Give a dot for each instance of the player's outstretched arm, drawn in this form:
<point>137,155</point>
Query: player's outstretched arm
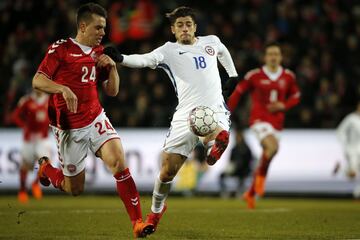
<point>150,60</point>
<point>44,84</point>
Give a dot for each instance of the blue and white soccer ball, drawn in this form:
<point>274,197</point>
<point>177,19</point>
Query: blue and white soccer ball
<point>202,121</point>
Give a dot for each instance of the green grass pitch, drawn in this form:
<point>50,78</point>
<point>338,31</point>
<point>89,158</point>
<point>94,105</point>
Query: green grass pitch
<point>103,217</point>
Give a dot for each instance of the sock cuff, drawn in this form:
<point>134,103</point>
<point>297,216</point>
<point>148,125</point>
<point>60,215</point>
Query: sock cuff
<point>162,187</point>
<point>123,175</point>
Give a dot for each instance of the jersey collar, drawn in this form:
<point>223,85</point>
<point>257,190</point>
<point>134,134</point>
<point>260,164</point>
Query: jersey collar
<point>272,75</point>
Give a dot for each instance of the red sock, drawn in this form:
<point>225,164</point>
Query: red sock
<point>262,170</point>
<point>252,187</point>
<point>23,175</point>
<point>36,180</point>
<point>129,195</point>
<point>264,165</point>
<point>56,176</point>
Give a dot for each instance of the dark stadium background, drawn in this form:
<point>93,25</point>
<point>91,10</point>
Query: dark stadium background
<point>320,41</point>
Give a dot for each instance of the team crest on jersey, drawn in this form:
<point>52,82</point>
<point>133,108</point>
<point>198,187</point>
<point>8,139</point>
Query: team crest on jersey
<point>209,50</point>
<point>282,83</point>
<point>93,55</point>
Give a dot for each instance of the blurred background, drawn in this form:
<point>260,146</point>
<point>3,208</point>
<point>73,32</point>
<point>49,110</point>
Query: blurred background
<point>320,43</point>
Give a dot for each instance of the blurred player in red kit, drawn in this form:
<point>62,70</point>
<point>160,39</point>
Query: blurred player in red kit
<point>273,91</point>
<point>70,72</point>
<point>31,115</point>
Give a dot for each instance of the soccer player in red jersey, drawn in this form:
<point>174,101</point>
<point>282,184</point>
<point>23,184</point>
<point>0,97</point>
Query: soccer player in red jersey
<point>31,115</point>
<point>273,91</point>
<point>70,72</point>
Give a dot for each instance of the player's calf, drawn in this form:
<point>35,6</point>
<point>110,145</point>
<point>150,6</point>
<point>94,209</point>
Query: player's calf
<point>221,143</point>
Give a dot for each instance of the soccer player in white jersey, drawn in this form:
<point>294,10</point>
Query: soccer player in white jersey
<point>191,64</point>
<point>349,135</point>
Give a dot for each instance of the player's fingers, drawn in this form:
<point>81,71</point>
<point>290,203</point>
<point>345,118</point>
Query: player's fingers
<point>75,104</point>
<point>69,105</point>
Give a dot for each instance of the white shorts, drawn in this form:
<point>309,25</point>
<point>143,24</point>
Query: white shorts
<point>73,144</point>
<point>35,149</point>
<point>353,158</point>
<point>181,140</point>
<point>264,129</point>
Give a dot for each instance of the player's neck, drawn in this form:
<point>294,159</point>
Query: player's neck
<point>82,41</point>
<point>272,69</point>
<point>192,42</point>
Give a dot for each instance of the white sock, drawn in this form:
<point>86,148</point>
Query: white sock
<point>209,146</point>
<point>160,193</point>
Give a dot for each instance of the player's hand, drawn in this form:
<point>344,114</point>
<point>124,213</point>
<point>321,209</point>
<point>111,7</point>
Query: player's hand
<point>229,87</point>
<point>276,107</point>
<point>105,61</point>
<point>114,54</point>
<point>70,99</point>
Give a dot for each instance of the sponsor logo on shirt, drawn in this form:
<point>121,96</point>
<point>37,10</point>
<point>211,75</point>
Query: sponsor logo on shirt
<point>75,55</point>
<point>265,81</point>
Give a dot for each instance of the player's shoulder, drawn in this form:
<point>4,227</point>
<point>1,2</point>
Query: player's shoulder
<point>252,73</point>
<point>209,39</point>
<point>289,73</point>
<point>59,46</point>
<point>166,47</point>
<point>24,99</point>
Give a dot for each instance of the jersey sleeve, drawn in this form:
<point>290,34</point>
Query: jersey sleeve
<point>343,130</point>
<point>16,115</point>
<point>294,92</point>
<point>51,61</point>
<point>225,59</point>
<point>240,89</point>
<point>151,59</point>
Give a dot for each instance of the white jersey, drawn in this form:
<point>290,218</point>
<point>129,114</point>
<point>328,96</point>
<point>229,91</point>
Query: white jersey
<point>349,131</point>
<point>192,70</point>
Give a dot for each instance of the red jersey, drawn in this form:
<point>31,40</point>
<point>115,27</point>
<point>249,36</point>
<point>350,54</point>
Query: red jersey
<point>31,115</point>
<point>68,64</point>
<point>265,91</point>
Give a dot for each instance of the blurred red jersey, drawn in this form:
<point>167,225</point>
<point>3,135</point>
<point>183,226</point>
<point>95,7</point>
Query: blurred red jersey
<point>73,65</point>
<point>266,89</point>
<point>31,115</point>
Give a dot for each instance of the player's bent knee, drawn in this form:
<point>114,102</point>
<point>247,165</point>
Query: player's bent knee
<point>115,163</point>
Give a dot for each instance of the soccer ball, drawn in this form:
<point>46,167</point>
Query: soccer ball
<point>202,121</point>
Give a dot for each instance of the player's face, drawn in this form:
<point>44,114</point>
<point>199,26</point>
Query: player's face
<point>273,56</point>
<point>184,30</point>
<point>94,30</point>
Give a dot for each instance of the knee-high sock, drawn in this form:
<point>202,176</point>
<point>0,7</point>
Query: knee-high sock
<point>264,165</point>
<point>262,170</point>
<point>23,175</point>
<point>55,174</point>
<point>129,195</point>
<point>160,193</point>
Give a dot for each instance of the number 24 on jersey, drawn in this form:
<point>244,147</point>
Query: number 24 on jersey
<point>88,75</point>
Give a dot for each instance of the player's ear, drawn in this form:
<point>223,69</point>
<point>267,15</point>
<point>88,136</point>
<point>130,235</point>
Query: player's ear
<point>173,29</point>
<point>195,27</point>
<point>82,27</point>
